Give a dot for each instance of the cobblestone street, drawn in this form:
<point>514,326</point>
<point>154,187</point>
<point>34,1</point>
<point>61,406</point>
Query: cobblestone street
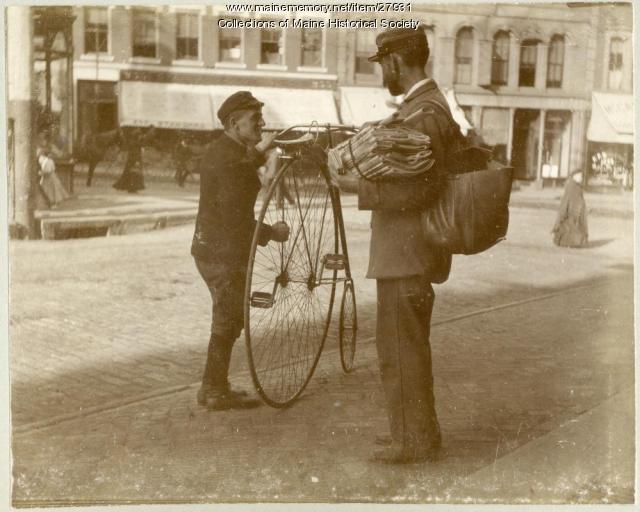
<point>108,339</point>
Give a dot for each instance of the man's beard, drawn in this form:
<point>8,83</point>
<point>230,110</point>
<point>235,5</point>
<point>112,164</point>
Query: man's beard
<point>391,83</point>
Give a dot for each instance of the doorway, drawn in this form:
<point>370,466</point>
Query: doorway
<point>526,140</point>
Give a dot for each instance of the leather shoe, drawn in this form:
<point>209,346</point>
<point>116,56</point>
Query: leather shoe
<point>207,392</point>
<point>391,455</point>
<point>230,400</point>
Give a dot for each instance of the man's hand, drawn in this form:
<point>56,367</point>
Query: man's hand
<point>266,143</point>
<point>279,232</point>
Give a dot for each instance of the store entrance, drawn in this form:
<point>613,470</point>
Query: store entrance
<point>526,137</point>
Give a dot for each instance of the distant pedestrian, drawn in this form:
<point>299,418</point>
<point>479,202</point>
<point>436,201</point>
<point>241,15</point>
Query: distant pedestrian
<point>132,141</point>
<point>50,184</point>
<point>570,229</point>
<point>182,157</point>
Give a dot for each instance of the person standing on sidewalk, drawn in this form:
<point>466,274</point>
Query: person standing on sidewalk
<point>132,177</point>
<point>570,228</point>
<point>405,267</point>
<point>225,223</point>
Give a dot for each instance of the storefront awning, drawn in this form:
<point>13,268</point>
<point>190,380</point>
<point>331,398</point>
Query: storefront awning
<point>194,107</point>
<point>611,118</point>
<point>178,106</point>
<point>359,105</point>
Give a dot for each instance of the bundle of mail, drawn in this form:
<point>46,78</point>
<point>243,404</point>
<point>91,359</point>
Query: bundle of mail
<point>383,153</point>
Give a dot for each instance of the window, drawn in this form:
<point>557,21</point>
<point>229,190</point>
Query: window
<point>230,40</point>
<point>431,41</point>
<point>500,58</point>
<point>616,48</point>
<point>365,48</point>
<point>464,56</point>
<point>96,30</point>
<point>144,33</point>
<point>187,36</point>
<point>311,48</point>
<point>528,59</point>
<point>271,47</point>
<point>555,62</point>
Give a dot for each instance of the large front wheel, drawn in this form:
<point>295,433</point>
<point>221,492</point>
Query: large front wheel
<point>290,290</point>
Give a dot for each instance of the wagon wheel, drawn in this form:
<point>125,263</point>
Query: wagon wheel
<point>290,286</point>
<point>348,327</point>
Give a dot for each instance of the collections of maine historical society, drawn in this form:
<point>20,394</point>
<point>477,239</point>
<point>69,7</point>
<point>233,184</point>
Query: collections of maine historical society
<point>376,9</point>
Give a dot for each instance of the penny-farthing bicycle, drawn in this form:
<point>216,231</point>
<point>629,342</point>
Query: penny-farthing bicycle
<point>291,286</point>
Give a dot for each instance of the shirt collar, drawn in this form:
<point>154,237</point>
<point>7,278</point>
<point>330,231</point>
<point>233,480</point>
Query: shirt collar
<point>416,86</point>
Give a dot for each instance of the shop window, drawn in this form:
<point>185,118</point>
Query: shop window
<point>431,40</point>
<point>500,58</point>
<point>187,36</point>
<point>230,43</point>
<point>616,49</point>
<point>144,34</point>
<point>271,46</point>
<point>365,48</point>
<point>96,30</point>
<point>528,60</point>
<point>311,48</point>
<point>464,56</point>
<point>556,148</point>
<point>495,131</point>
<point>555,62</point>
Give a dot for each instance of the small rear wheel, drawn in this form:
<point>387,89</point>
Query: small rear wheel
<point>348,330</point>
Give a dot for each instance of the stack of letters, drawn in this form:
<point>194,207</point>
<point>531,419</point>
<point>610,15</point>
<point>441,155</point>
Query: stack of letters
<point>384,153</point>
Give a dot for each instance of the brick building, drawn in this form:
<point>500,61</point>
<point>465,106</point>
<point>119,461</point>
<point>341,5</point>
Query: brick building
<point>522,74</point>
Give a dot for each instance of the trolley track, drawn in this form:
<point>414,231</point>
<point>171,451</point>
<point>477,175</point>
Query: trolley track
<point>30,427</point>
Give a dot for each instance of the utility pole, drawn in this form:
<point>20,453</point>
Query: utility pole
<point>20,94</point>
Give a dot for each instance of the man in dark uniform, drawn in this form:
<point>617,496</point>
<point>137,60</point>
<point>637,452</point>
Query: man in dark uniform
<point>225,224</point>
<point>405,267</point>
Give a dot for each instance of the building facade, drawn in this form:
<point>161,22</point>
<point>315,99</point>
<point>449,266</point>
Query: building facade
<point>522,74</point>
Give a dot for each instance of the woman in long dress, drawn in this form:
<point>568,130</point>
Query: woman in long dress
<point>51,186</point>
<point>132,178</point>
<point>570,229</point>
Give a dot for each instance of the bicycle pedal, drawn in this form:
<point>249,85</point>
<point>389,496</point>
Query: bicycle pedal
<point>334,261</point>
<point>262,300</point>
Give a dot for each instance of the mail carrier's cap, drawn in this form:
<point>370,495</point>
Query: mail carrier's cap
<point>241,100</point>
<point>397,39</point>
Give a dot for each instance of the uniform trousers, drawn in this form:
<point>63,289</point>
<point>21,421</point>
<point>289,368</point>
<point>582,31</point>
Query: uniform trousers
<point>404,355</point>
<point>226,286</point>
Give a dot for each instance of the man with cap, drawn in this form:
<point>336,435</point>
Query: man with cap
<point>224,228</point>
<point>405,267</point>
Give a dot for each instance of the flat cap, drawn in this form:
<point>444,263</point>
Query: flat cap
<point>241,100</point>
<point>396,39</point>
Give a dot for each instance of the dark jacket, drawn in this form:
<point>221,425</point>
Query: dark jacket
<point>229,186</point>
<point>397,247</point>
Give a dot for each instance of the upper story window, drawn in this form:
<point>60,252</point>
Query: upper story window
<point>616,63</point>
<point>145,33</point>
<point>528,60</point>
<point>464,56</point>
<point>230,43</point>
<point>96,30</point>
<point>365,48</point>
<point>271,46</point>
<point>187,36</point>
<point>311,48</point>
<point>555,62</point>
<point>431,41</point>
<point>500,58</point>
